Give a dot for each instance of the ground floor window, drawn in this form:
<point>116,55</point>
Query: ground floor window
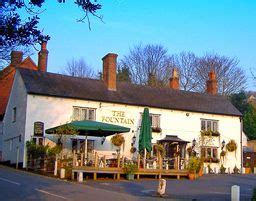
<point>210,154</point>
<point>78,145</point>
<point>38,140</point>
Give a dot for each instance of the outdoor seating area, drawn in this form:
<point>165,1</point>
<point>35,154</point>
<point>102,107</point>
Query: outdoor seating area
<point>166,158</point>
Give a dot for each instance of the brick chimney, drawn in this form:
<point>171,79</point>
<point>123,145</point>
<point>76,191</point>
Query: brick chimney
<point>174,80</point>
<point>43,57</point>
<point>211,84</point>
<point>109,71</point>
<point>16,58</point>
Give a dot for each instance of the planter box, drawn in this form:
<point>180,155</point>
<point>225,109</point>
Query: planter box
<point>192,176</point>
<point>248,170</point>
<point>130,176</point>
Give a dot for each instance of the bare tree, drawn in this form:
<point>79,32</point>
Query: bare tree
<point>78,68</point>
<point>231,78</point>
<point>149,64</point>
<point>253,72</point>
<point>186,62</point>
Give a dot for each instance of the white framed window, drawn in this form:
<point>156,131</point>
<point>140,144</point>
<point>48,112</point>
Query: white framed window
<point>84,113</point>
<point>155,120</point>
<point>38,140</point>
<point>209,125</point>
<point>14,114</point>
<point>209,152</point>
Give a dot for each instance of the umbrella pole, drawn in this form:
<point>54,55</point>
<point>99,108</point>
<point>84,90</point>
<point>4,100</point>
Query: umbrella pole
<point>85,149</point>
<point>144,161</point>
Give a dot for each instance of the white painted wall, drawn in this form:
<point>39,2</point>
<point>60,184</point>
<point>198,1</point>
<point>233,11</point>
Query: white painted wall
<point>12,130</point>
<point>244,139</point>
<point>56,111</point>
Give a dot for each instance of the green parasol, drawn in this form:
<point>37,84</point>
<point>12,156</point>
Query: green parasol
<point>145,134</point>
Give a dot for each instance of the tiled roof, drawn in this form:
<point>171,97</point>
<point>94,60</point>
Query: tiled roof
<point>51,84</point>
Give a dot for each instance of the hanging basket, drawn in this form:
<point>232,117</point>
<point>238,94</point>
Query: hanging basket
<point>231,146</point>
<point>133,150</point>
<point>117,140</point>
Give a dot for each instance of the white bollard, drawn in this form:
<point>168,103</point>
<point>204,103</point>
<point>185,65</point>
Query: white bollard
<point>161,187</point>
<point>205,171</point>
<point>243,170</point>
<point>235,193</point>
<point>254,170</point>
<point>147,165</point>
<point>80,177</point>
<point>62,173</point>
<point>229,172</point>
<point>55,168</point>
<point>215,170</point>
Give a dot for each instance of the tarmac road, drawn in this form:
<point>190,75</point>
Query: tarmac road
<point>20,185</point>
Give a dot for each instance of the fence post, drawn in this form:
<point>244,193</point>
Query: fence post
<point>235,193</point>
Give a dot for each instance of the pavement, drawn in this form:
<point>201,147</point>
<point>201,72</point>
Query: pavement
<point>21,185</point>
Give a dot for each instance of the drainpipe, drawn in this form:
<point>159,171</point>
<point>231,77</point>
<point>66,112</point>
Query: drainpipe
<point>241,141</point>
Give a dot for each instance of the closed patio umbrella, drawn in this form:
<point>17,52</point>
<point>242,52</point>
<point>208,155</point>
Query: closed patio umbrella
<point>145,136</point>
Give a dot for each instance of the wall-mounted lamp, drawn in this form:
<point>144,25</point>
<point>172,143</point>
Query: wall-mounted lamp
<point>133,138</point>
<point>194,143</point>
<point>103,139</point>
<point>118,151</point>
<point>223,144</point>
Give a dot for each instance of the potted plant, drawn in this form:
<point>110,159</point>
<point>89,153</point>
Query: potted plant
<point>156,129</point>
<point>129,170</point>
<point>209,169</point>
<point>193,167</point>
<point>222,169</point>
<point>247,168</point>
<point>235,170</point>
<point>201,166</point>
<point>210,133</point>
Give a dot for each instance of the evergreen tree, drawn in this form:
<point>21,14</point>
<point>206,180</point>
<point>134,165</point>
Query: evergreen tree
<point>249,121</point>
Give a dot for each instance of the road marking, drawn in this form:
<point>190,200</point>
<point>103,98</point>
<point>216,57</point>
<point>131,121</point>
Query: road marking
<point>42,191</point>
<point>7,180</point>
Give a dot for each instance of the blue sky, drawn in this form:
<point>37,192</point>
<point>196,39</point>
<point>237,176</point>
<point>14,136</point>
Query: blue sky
<point>226,27</point>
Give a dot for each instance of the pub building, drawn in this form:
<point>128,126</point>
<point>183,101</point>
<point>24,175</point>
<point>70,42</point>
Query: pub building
<point>40,100</point>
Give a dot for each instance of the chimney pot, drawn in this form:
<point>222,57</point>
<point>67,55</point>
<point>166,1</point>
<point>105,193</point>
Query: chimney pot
<point>43,57</point>
<point>174,80</point>
<point>16,58</point>
<point>211,84</point>
<point>109,71</point>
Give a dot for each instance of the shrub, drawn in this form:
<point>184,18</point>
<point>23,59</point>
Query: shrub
<point>236,170</point>
<point>193,165</point>
<point>130,168</point>
<point>222,169</point>
<point>160,148</point>
<point>35,150</point>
